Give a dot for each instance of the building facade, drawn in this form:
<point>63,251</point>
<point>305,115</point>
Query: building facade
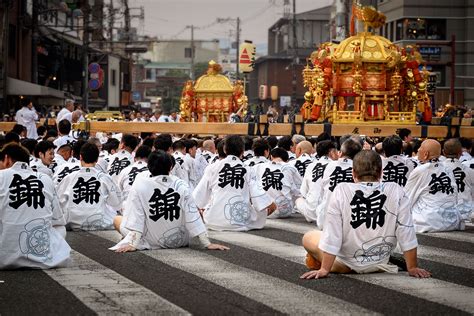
<point>431,24</point>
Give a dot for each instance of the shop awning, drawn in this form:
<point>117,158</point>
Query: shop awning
<point>20,87</point>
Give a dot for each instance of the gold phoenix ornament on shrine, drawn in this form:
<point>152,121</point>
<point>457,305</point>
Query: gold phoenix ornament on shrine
<point>365,78</point>
<point>212,98</point>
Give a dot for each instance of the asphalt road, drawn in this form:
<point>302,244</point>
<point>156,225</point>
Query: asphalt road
<point>259,275</point>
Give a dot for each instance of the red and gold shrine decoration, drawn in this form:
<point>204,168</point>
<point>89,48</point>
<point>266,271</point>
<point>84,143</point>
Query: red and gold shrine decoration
<point>212,98</point>
<point>366,78</point>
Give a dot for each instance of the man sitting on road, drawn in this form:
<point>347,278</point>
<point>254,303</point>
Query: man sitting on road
<point>364,222</point>
<point>160,212</point>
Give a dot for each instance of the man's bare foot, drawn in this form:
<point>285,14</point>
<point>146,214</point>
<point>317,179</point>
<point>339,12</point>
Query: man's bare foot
<point>312,263</point>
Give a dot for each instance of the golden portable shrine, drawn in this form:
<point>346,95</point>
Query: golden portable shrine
<point>213,98</point>
<point>366,78</point>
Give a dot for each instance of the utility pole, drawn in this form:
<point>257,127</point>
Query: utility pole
<point>5,35</point>
<point>192,50</point>
<point>127,20</point>
<point>111,24</point>
<point>295,56</point>
<point>34,41</point>
<point>85,58</point>
<point>237,45</point>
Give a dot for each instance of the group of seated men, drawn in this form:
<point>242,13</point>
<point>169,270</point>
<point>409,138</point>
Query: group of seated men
<point>160,193</point>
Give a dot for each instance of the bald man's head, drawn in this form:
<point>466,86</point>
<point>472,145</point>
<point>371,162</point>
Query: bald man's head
<point>452,148</point>
<point>304,147</point>
<point>209,145</point>
<point>429,149</point>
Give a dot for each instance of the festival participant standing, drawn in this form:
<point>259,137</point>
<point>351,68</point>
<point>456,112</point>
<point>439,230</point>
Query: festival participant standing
<point>463,175</point>
<point>363,216</point>
<point>396,168</point>
<point>276,179</point>
<point>336,172</point>
<point>432,191</point>
<point>32,224</point>
<point>311,189</point>
<point>89,197</point>
<point>235,200</point>
<point>27,117</point>
<point>123,158</point>
<point>66,111</point>
<point>160,212</point>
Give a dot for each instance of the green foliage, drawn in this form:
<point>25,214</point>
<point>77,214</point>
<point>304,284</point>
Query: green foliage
<point>200,69</point>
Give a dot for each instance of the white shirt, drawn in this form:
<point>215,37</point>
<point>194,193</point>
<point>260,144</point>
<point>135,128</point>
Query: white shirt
<point>27,118</point>
<point>62,140</point>
<point>202,160</point>
<point>38,166</point>
<point>190,170</point>
<point>88,198</point>
<point>235,199</point>
<point>364,222</point>
<point>164,119</point>
<point>64,114</point>
<point>311,187</point>
<point>255,161</point>
<point>397,169</point>
<point>128,175</point>
<point>162,210</point>
<point>433,198</point>
<point>118,162</point>
<point>29,210</point>
<point>464,178</point>
<point>275,179</point>
<point>335,173</point>
<point>301,163</point>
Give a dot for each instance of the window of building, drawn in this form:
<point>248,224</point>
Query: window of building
<point>421,29</point>
<point>12,41</point>
<point>114,77</point>
<point>150,75</point>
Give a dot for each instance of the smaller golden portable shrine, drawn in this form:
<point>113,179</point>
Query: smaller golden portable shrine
<point>366,78</point>
<point>212,98</point>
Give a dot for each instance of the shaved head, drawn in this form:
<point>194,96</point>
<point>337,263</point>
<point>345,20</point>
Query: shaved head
<point>209,145</point>
<point>429,149</point>
<point>452,148</point>
<point>304,147</point>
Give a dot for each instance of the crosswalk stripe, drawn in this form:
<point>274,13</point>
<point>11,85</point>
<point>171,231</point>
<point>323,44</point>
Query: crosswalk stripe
<point>434,290</point>
<point>107,292</point>
<point>279,294</point>
<point>430,289</point>
<point>445,256</point>
<point>184,289</point>
<point>455,236</point>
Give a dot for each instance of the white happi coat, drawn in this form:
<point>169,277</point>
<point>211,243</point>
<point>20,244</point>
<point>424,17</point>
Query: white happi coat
<point>234,198</point>
<point>65,169</point>
<point>433,198</point>
<point>29,210</point>
<point>128,175</point>
<point>162,210</point>
<point>38,166</point>
<point>275,179</point>
<point>311,189</point>
<point>64,114</point>
<point>88,199</point>
<point>27,118</point>
<point>301,163</point>
<point>465,156</point>
<point>248,154</point>
<point>255,161</point>
<point>118,162</point>
<point>62,140</point>
<point>336,172</point>
<point>464,178</point>
<point>202,160</point>
<point>397,169</point>
<point>364,222</point>
<point>190,170</point>
<point>469,163</point>
<point>178,169</point>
